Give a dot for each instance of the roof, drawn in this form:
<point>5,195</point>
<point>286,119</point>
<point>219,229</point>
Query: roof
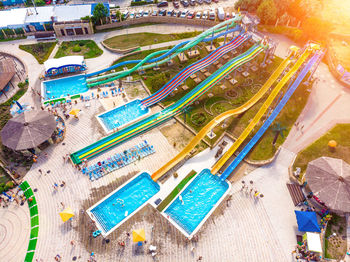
<point>307,221</point>
<point>329,180</point>
<point>43,14</point>
<point>71,13</point>
<point>17,17</point>
<point>12,17</point>
<point>28,130</point>
<point>7,71</point>
<point>313,242</point>
<point>63,61</point>
<point>60,13</point>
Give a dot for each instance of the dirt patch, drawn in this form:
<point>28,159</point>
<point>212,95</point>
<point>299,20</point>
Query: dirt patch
<point>176,134</point>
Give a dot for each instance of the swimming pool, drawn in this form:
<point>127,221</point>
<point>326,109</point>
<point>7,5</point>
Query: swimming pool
<point>122,115</point>
<point>64,87</point>
<point>199,200</point>
<point>122,203</point>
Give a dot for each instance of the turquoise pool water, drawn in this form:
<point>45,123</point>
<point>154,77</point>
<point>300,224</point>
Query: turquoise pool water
<point>65,87</point>
<point>122,115</point>
<point>199,197</point>
<point>111,211</point>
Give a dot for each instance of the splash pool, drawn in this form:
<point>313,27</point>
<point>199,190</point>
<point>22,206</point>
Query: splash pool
<point>64,87</point>
<point>122,115</point>
<point>122,203</point>
<point>199,199</point>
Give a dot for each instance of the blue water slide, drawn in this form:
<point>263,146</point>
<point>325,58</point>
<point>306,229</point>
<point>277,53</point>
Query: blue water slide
<point>272,117</point>
<point>169,52</point>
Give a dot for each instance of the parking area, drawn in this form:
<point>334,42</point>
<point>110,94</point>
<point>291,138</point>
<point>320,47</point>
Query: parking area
<point>188,9</point>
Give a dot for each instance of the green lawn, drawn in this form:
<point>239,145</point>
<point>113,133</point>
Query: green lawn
<point>339,133</point>
<point>143,39</point>
<point>87,48</point>
<point>41,51</point>
<point>286,118</point>
<point>176,191</point>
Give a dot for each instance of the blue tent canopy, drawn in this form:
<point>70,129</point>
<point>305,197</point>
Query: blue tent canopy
<point>307,221</point>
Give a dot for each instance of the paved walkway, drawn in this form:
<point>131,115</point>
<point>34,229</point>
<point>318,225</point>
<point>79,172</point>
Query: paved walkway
<point>326,106</point>
<point>262,231</point>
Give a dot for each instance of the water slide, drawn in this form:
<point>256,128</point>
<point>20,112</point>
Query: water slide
<point>167,52</point>
<point>313,61</point>
<point>263,109</point>
<point>160,117</point>
<point>193,68</point>
<point>218,119</point>
<point>113,76</point>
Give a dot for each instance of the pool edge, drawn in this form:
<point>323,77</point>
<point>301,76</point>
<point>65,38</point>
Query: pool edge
<point>97,223</point>
<point>43,100</point>
<point>124,125</point>
<point>174,223</point>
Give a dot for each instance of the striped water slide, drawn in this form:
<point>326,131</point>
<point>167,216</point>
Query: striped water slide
<point>313,61</point>
<point>195,67</point>
<point>147,123</point>
<point>153,60</point>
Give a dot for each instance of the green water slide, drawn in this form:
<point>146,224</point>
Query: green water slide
<point>120,74</point>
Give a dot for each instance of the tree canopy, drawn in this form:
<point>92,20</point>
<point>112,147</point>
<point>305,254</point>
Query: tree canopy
<point>267,11</point>
<point>100,12</point>
<point>316,29</point>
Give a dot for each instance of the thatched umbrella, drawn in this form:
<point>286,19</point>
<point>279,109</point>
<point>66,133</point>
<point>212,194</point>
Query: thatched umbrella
<point>329,180</point>
<point>28,130</point>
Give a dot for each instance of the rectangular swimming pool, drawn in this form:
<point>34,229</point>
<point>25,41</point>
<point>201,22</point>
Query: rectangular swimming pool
<point>122,115</point>
<point>199,199</point>
<point>64,87</point>
<point>122,203</point>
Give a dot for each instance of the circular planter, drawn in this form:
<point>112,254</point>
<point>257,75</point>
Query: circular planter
<point>198,119</point>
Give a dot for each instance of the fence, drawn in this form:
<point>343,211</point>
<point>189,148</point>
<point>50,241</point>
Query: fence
<point>158,19</point>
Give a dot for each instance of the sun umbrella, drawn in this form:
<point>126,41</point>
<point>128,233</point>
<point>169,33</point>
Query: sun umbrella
<point>28,130</point>
<point>307,221</point>
<point>67,214</point>
<point>329,180</point>
<point>138,235</point>
<point>74,112</point>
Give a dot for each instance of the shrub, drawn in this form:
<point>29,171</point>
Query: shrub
<point>76,49</point>
<point>22,84</point>
<point>1,189</point>
<point>10,184</point>
<point>2,184</point>
<point>138,3</point>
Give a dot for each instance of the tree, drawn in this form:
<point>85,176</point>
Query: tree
<point>248,5</point>
<point>267,11</point>
<point>316,29</point>
<point>278,130</point>
<point>186,112</point>
<point>100,13</point>
<point>282,6</point>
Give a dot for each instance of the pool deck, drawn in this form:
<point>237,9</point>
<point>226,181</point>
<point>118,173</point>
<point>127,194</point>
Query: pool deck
<point>242,230</point>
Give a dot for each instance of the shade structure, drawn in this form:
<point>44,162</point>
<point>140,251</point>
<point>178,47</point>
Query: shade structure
<point>329,180</point>
<point>138,235</point>
<point>313,242</point>
<point>28,130</point>
<point>307,221</point>
<point>67,214</point>
<point>74,112</point>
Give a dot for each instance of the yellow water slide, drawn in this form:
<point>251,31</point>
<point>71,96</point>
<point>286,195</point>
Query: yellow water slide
<point>261,111</point>
<point>204,131</point>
